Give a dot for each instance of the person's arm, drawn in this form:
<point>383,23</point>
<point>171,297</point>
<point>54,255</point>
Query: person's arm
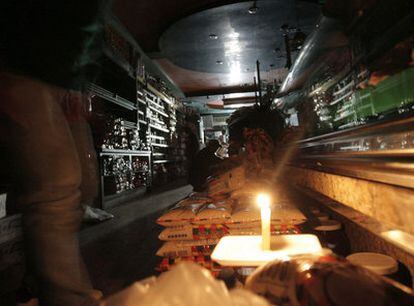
<point>47,176</point>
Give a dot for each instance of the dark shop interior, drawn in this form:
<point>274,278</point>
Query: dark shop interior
<point>207,153</point>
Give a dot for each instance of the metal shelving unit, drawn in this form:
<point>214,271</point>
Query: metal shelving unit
<point>111,97</point>
<point>109,200</point>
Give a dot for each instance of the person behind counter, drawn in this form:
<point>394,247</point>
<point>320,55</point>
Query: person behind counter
<point>203,165</point>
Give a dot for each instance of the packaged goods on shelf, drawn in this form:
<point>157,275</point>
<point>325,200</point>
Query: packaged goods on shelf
<point>195,225</point>
<point>193,232</point>
<point>249,216</point>
<point>122,175</point>
<point>214,213</point>
<point>180,215</point>
<point>185,248</point>
<point>214,231</point>
<point>227,182</point>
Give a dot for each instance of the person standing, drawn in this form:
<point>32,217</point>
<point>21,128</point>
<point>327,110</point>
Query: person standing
<point>46,49</point>
<point>203,165</point>
<point>192,145</point>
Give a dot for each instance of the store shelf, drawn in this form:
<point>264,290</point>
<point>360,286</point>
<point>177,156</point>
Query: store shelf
<point>111,97</point>
<point>163,161</point>
<point>124,152</point>
<point>157,111</point>
<point>340,91</point>
<point>159,94</point>
<point>157,137</point>
<point>129,125</point>
<point>142,122</point>
<point>141,101</point>
<point>158,154</point>
<point>159,128</point>
<point>341,98</point>
<point>159,145</point>
<point>140,171</point>
<point>157,121</point>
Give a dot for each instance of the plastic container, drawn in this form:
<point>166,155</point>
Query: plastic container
<point>332,236</point>
<point>381,264</point>
<point>322,216</point>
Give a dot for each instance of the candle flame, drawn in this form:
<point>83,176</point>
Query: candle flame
<point>263,200</point>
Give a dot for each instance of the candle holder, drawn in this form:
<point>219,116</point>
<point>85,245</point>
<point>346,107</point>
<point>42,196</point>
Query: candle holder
<point>247,251</point>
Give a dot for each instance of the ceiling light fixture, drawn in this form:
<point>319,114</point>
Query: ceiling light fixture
<point>219,62</point>
<point>213,36</point>
<point>253,9</point>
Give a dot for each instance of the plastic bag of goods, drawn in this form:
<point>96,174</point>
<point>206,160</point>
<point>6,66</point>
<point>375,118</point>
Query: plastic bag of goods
<point>214,213</point>
<point>248,215</point>
<point>180,214</point>
<point>193,232</point>
<point>194,199</point>
<point>274,230</point>
<point>187,248</point>
<point>186,285</point>
<point>227,182</point>
<point>325,281</point>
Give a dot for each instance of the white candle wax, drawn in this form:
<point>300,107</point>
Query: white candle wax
<point>265,216</point>
<point>263,200</point>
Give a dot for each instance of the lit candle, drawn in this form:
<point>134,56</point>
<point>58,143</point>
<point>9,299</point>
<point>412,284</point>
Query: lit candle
<point>263,200</point>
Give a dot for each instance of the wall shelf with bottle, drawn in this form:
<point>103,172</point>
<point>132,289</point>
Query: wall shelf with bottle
<point>122,173</point>
<point>134,117</point>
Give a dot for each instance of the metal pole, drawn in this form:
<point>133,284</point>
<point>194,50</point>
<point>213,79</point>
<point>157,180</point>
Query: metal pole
<point>259,82</point>
<point>255,91</point>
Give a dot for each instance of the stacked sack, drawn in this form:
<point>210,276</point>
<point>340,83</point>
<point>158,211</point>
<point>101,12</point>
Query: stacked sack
<point>195,225</point>
<point>193,228</point>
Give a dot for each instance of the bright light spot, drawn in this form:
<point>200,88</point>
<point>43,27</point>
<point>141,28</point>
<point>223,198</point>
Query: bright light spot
<point>395,234</point>
<point>232,48</point>
<point>400,238</point>
<point>235,72</point>
<point>263,200</point>
<point>306,266</point>
<point>234,35</point>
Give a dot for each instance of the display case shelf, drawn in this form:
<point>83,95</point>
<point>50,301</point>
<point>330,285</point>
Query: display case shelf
<point>159,128</point>
<point>163,161</point>
<point>124,152</point>
<point>157,111</point>
<point>159,94</point>
<point>157,137</point>
<point>156,120</point>
<point>111,97</point>
<point>159,145</point>
<point>141,101</point>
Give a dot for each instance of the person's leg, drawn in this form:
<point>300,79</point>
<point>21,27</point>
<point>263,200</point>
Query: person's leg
<point>47,170</point>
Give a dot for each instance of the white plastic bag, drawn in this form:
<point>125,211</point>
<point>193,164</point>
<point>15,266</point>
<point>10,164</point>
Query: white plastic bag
<point>185,285</point>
